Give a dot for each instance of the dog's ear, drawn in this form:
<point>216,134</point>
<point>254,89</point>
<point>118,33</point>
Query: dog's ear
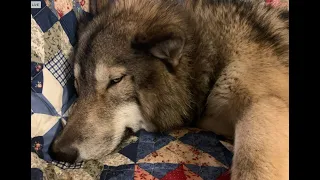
<point>169,50</point>
<point>165,43</point>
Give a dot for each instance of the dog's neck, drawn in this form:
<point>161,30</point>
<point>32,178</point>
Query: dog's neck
<point>207,62</point>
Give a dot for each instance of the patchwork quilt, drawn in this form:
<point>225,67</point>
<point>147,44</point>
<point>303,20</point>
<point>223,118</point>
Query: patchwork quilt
<point>180,154</point>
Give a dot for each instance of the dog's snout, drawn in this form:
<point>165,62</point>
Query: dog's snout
<point>64,153</point>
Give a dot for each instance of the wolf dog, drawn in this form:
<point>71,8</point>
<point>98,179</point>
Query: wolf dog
<point>163,64</point>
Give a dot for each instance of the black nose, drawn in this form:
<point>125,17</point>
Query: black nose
<point>64,153</point>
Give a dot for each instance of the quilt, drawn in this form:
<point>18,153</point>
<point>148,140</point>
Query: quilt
<point>181,154</point>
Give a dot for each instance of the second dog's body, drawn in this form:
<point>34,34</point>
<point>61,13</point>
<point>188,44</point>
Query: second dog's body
<point>158,65</point>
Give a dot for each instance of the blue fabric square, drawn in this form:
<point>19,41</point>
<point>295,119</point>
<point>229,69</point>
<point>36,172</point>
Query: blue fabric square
<point>148,137</point>
<point>122,172</point>
<point>130,151</point>
<point>209,143</point>
<point>41,105</point>
<point>45,19</point>
<point>51,6</point>
<point>36,68</point>
<point>36,174</point>
<point>207,172</point>
<point>37,145</point>
<point>48,138</point>
<point>69,24</point>
<point>158,170</point>
<point>69,95</point>
<point>34,11</point>
<point>36,78</point>
<point>150,142</point>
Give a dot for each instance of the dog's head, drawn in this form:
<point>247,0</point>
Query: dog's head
<point>130,73</point>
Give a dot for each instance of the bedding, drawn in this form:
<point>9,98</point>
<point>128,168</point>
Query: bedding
<point>181,154</point>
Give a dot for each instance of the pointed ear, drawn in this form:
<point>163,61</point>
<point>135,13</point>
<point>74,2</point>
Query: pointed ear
<point>169,50</point>
<point>163,43</point>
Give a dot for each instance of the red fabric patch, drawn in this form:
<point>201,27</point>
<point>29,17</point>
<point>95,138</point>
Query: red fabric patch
<point>225,176</point>
<point>177,174</point>
<point>60,13</point>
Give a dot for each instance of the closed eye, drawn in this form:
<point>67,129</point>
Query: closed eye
<point>114,81</point>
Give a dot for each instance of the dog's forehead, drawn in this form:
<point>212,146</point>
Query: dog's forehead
<point>100,70</point>
<point>104,71</point>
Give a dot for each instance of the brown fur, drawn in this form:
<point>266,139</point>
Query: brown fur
<point>223,64</point>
